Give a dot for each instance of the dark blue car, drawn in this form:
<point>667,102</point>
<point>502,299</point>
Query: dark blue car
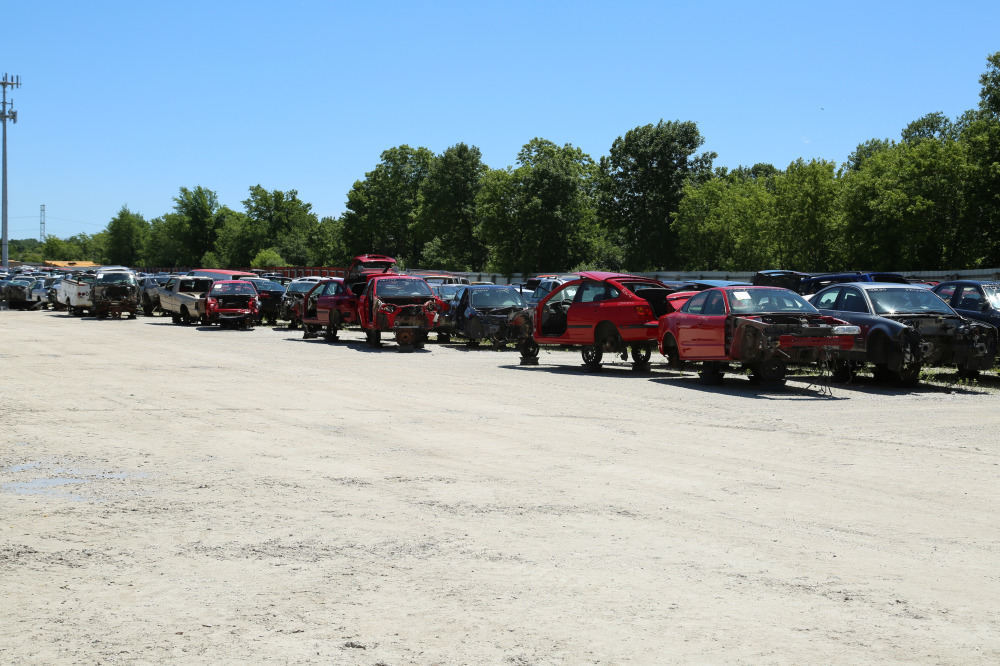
<point>903,328</point>
<point>810,283</point>
<point>975,299</point>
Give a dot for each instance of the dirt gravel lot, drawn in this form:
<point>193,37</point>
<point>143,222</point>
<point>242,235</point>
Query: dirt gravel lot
<point>189,495</point>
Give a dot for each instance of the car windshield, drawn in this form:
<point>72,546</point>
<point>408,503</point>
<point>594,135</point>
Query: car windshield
<point>115,278</point>
<point>300,287</point>
<point>993,294</point>
<point>495,298</point>
<point>267,285</point>
<point>907,301</point>
<point>401,288</point>
<point>231,288</point>
<point>757,301</point>
<point>372,266</point>
<point>447,291</point>
<point>194,286</point>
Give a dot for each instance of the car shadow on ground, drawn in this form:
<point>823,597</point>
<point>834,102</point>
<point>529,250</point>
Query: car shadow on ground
<point>607,370</point>
<point>943,382</point>
<point>209,327</point>
<point>795,388</point>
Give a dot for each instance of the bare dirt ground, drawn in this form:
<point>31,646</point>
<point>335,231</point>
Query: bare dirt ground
<point>188,495</point>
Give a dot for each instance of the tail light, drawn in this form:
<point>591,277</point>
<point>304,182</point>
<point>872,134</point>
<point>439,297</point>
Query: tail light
<point>264,294</point>
<point>644,311</point>
<point>211,303</point>
<point>431,305</point>
<point>386,308</point>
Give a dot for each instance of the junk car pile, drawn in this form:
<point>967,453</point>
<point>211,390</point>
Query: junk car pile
<point>840,322</point>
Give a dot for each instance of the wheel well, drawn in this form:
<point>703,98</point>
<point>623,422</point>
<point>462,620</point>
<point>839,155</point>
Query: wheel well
<point>603,329</point>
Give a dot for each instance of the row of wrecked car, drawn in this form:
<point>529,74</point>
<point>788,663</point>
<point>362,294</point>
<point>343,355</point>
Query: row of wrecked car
<point>843,325</point>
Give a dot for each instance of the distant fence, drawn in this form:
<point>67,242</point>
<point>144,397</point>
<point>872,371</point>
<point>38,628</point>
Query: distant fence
<point>515,278</point>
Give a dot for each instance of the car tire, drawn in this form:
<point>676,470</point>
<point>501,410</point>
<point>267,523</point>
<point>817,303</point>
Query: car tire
<point>967,372</point>
<point>841,372</point>
<point>592,356</point>
<point>768,373</point>
<point>711,373</point>
<point>640,357</point>
<point>529,351</point>
<point>443,337</point>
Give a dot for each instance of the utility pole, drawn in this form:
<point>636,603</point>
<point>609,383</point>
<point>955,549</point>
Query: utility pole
<point>41,226</point>
<point>12,82</point>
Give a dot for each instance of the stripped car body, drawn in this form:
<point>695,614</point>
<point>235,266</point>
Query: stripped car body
<point>761,330</point>
<point>483,312</point>
<point>318,309</point>
<point>115,293</point>
<point>402,304</point>
<point>232,304</point>
<point>598,312</point>
<point>903,328</point>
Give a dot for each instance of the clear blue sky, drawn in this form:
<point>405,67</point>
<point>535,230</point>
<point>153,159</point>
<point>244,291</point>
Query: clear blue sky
<point>123,103</point>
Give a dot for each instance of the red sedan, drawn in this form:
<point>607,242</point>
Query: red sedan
<point>764,329</point>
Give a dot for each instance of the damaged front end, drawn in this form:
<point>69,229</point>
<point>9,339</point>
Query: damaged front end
<point>114,299</point>
<point>937,340</point>
<point>409,319</point>
<point>766,344</point>
<point>497,325</point>
<point>236,310</point>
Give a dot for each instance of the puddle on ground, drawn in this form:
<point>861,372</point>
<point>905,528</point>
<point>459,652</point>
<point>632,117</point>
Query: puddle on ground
<point>57,479</point>
<point>44,487</point>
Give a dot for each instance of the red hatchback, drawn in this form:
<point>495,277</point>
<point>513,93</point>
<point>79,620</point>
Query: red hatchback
<point>599,312</point>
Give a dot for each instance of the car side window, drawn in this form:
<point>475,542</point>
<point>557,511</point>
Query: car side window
<point>827,300</point>
<point>714,305</point>
<point>853,301</point>
<point>946,292</point>
<point>590,292</point>
<point>696,304</point>
<point>968,298</point>
<point>565,294</point>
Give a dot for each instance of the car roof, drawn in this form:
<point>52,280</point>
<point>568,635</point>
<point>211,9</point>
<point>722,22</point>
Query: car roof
<point>874,285</point>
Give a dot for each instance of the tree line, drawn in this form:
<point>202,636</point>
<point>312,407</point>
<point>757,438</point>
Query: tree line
<point>929,200</point>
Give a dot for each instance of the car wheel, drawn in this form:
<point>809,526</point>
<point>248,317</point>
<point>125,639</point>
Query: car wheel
<point>373,338</point>
<point>592,355</point>
<point>841,371</point>
<point>674,361</point>
<point>147,307</point>
<point>529,351</point>
<point>967,372</point>
<point>770,373</point>
<point>711,373</point>
<point>443,337</point>
<point>185,316</point>
<point>406,339</point>
<point>640,357</point>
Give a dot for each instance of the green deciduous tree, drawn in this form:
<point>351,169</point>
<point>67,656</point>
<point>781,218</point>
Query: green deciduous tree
<point>283,221</point>
<point>728,223</point>
<point>644,177</point>
<point>541,215</point>
<point>446,223</point>
<point>382,209</point>
<point>126,238</point>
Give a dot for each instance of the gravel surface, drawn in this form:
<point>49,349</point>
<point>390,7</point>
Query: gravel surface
<point>194,495</point>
